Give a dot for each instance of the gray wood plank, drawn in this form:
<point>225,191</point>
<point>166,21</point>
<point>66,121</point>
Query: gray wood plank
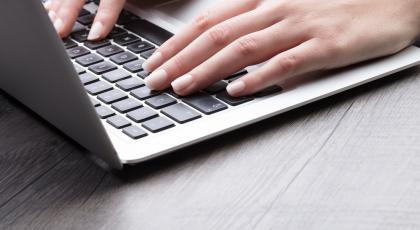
<point>367,175</point>
<point>348,162</point>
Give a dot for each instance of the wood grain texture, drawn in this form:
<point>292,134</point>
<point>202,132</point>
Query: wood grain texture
<point>348,162</point>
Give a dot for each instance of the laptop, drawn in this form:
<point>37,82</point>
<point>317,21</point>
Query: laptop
<point>94,92</point>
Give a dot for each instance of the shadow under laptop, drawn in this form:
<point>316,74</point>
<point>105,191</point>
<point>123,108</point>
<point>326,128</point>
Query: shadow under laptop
<point>216,146</point>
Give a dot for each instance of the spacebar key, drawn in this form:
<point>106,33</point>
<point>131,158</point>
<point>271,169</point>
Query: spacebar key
<point>205,103</point>
<point>149,31</point>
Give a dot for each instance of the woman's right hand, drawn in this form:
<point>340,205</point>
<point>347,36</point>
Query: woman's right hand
<point>64,13</point>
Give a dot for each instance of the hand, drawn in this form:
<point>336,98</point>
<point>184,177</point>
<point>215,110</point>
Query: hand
<point>64,13</point>
<point>292,37</point>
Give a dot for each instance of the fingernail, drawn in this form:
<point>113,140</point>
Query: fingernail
<point>47,5</point>
<point>58,24</point>
<point>153,61</point>
<point>182,82</point>
<point>52,15</point>
<point>95,31</point>
<point>235,88</point>
<point>156,79</point>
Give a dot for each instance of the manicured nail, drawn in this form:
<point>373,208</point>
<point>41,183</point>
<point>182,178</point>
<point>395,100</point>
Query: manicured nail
<point>95,31</point>
<point>153,61</point>
<point>58,24</point>
<point>235,88</point>
<point>182,82</point>
<point>156,79</point>
<point>52,15</point>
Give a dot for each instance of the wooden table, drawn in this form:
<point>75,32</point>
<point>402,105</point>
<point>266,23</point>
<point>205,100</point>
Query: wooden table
<point>348,162</point>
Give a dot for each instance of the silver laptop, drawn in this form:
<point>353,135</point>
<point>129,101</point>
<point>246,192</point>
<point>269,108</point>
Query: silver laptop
<point>94,91</point>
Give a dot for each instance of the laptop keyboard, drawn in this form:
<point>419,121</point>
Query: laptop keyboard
<point>111,71</point>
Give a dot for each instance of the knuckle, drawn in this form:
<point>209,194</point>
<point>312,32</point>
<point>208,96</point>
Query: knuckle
<point>335,47</point>
<point>178,64</point>
<point>288,64</point>
<point>203,21</point>
<point>247,46</point>
<point>218,35</point>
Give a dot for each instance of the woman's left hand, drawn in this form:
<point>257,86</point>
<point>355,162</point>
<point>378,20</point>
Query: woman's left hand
<point>294,37</point>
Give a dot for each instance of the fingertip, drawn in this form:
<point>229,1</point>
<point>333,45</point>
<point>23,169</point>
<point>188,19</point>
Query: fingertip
<point>182,83</point>
<point>47,5</point>
<point>153,62</point>
<point>96,32</point>
<point>157,79</point>
<point>107,15</point>
<point>236,88</point>
<point>58,25</point>
<point>52,15</point>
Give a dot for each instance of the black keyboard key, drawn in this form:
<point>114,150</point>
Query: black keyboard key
<point>104,112</point>
<point>149,31</point>
<point>112,96</point>
<point>143,74</point>
<point>234,101</point>
<point>68,43</point>
<point>116,31</point>
<point>77,27</point>
<point>123,58</point>
<point>134,132</point>
<point>109,50</point>
<point>79,69</point>
<point>205,103</point>
<point>98,87</point>
<point>95,102</point>
<point>126,39</point>
<point>269,91</point>
<point>216,87</point>
<point>77,52</point>
<point>157,124</point>
<point>126,105</point>
<point>102,67</point>
<point>146,55</point>
<point>160,101</point>
<point>134,66</point>
<point>118,122</point>
<point>86,19</point>
<point>140,47</point>
<point>88,78</point>
<point>181,113</point>
<point>83,12</point>
<point>144,93</point>
<point>130,84</point>
<point>116,75</point>
<point>89,59</point>
<point>173,94</point>
<point>142,114</point>
<point>236,75</point>
<point>80,36</point>
<point>126,17</point>
<point>97,44</point>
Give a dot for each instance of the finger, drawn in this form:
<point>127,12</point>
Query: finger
<point>247,50</point>
<point>306,57</point>
<point>201,24</point>
<point>207,45</point>
<point>51,6</point>
<point>67,15</point>
<point>47,5</point>
<point>107,16</point>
